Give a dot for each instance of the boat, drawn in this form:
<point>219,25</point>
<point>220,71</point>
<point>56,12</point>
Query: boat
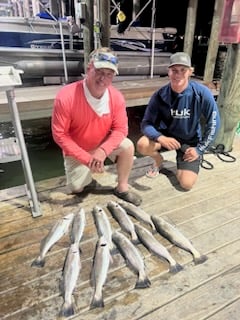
<point>43,47</point>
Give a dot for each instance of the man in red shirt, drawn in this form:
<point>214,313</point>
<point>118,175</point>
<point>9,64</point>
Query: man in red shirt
<point>89,123</point>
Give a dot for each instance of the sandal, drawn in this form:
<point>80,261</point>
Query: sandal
<point>128,196</point>
<point>153,172</point>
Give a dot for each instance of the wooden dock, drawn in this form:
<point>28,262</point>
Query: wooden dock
<point>209,215</point>
<point>37,102</point>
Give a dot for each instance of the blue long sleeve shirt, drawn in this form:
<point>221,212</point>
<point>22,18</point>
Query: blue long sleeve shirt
<point>179,115</point>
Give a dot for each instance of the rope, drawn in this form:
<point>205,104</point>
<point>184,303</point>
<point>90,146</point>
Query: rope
<point>220,153</point>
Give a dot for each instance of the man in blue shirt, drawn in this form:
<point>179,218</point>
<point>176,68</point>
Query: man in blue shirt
<point>172,121</point>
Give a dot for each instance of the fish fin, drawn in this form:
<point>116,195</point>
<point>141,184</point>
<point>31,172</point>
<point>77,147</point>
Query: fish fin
<point>135,241</point>
<point>110,258</point>
<point>154,230</point>
<point>38,262</point>
<point>72,238</point>
<point>175,268</point>
<point>61,286</point>
<point>67,310</point>
<point>141,284</point>
<point>114,251</point>
<point>200,259</point>
<point>97,303</point>
<point>91,277</point>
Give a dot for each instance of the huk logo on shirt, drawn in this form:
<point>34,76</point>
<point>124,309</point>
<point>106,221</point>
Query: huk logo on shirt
<point>180,114</point>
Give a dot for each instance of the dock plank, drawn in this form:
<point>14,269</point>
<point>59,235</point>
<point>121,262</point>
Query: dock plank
<point>37,102</point>
<point>208,215</point>
<point>228,311</point>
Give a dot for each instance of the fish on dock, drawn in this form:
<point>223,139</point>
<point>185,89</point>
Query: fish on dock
<point>121,216</point>
<point>71,270</point>
<point>138,213</point>
<point>133,258</point>
<point>154,246</point>
<point>103,225</point>
<point>59,229</point>
<point>171,233</point>
<point>101,262</point>
<point>78,225</point>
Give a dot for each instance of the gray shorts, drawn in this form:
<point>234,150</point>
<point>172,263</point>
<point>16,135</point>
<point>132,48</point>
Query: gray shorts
<point>186,165</point>
<point>78,175</point>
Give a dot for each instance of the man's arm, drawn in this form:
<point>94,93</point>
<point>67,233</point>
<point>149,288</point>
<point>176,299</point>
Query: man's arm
<point>212,125</point>
<point>150,118</point>
<point>61,119</point>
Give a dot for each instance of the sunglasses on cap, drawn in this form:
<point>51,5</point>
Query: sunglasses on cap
<point>106,57</point>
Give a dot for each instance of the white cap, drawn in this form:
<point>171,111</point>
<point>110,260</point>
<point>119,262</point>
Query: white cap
<point>105,60</point>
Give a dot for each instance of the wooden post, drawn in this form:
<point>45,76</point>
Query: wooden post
<point>213,42</point>
<point>88,37</point>
<point>105,22</point>
<point>190,26</point>
<point>229,98</point>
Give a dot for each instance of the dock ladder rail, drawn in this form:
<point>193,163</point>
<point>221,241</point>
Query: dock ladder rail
<point>14,148</point>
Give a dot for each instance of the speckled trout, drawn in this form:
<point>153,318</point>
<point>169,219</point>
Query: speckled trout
<point>176,237</point>
<point>99,272</point>
<point>133,258</point>
<point>71,270</point>
<point>154,246</point>
<point>79,222</point>
<point>59,229</point>
<point>103,225</point>
<point>123,219</point>
<point>138,213</point>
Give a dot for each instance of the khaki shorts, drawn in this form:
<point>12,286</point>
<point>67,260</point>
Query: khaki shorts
<point>78,175</point>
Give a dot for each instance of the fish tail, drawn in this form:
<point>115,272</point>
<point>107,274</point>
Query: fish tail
<point>38,262</point>
<point>200,259</point>
<point>67,310</point>
<point>134,238</point>
<point>97,302</point>
<point>143,283</point>
<point>175,268</point>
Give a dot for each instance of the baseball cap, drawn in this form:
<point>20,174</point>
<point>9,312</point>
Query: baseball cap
<point>105,60</point>
<point>181,58</point>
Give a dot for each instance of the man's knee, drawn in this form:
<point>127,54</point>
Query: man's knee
<point>127,148</point>
<point>141,145</point>
<point>187,179</point>
<point>186,185</point>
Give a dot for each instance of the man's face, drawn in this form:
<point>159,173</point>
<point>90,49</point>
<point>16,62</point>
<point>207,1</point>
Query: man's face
<point>179,76</point>
<point>99,80</point>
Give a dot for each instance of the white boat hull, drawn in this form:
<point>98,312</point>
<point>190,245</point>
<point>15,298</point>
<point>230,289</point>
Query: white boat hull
<point>37,49</point>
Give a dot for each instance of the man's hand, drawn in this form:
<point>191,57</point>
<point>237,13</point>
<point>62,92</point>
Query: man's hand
<point>97,163</point>
<point>169,143</point>
<point>190,154</point>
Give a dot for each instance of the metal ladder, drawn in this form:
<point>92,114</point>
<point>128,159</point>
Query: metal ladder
<point>14,149</point>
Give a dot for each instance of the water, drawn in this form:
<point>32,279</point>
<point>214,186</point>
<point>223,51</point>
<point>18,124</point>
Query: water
<point>44,155</point>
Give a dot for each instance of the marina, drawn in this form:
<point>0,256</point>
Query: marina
<point>42,47</point>
<point>208,215</point>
